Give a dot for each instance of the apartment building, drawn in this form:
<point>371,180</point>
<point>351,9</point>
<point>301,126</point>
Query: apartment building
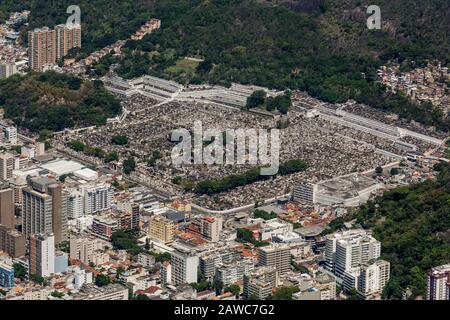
<point>7,165</point>
<point>184,267</point>
<point>12,242</point>
<point>46,46</point>
<point>275,255</point>
<point>7,70</point>
<point>161,229</point>
<point>369,279</point>
<point>42,255</point>
<point>438,283</point>
<point>260,282</point>
<point>109,292</point>
<point>41,48</point>
<point>44,208</point>
<point>6,207</point>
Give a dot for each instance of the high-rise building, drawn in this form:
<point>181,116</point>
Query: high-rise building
<point>67,38</point>
<point>438,280</point>
<point>166,273</point>
<point>234,272</point>
<point>6,207</point>
<point>85,249</point>
<point>41,48</point>
<point>7,165</point>
<point>161,229</point>
<point>42,255</point>
<point>305,193</point>
<point>10,135</point>
<point>260,282</point>
<point>75,203</point>
<point>349,249</point>
<point>7,70</point>
<point>59,212</point>
<point>46,46</point>
<point>369,279</point>
<point>44,208</point>
<point>211,228</point>
<point>97,198</point>
<point>184,267</point>
<point>275,255</point>
<point>12,242</point>
<point>6,275</point>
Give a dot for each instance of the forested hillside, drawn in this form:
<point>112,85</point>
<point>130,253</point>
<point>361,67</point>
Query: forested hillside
<point>320,46</point>
<point>55,101</point>
<point>413,225</point>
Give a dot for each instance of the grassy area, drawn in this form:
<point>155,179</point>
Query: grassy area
<point>183,66</point>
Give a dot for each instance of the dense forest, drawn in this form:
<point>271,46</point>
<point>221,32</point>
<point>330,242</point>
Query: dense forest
<point>413,225</point>
<point>56,101</point>
<point>320,46</point>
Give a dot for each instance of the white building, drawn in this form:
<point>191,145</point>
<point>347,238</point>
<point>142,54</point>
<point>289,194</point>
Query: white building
<point>10,134</point>
<point>7,70</point>
<point>42,255</point>
<point>438,280</point>
<point>75,203</point>
<point>348,249</point>
<point>368,279</point>
<point>184,267</point>
<point>97,198</point>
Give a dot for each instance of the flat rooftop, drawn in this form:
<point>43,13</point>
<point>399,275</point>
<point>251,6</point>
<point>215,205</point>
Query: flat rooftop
<point>62,166</point>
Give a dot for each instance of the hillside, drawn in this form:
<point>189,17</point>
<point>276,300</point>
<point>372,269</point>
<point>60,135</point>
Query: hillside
<point>413,225</point>
<point>54,101</point>
<point>320,46</point>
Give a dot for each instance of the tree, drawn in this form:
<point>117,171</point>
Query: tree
<point>256,99</point>
<point>119,140</point>
<point>38,279</point>
<point>218,285</point>
<point>57,294</point>
<point>234,289</point>
<point>129,165</point>
<point>284,293</point>
<point>19,271</point>
<point>378,170</point>
<point>102,280</point>
<point>394,171</point>
<point>112,156</point>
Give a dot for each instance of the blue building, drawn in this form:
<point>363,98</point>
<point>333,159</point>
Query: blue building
<point>6,276</point>
<point>61,262</point>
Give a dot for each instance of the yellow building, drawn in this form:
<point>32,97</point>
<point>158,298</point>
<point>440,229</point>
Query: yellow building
<point>162,229</point>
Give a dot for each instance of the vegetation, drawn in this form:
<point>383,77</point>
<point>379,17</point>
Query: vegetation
<point>129,165</point>
<point>259,98</point>
<point>284,293</point>
<point>230,182</point>
<point>334,226</point>
<point>53,101</point>
<point>90,151</point>
<point>234,289</point>
<point>246,236</point>
<point>122,240</point>
<point>19,271</point>
<point>264,214</point>
<point>57,294</point>
<point>412,224</point>
<point>102,280</point>
<point>120,140</point>
<point>324,47</point>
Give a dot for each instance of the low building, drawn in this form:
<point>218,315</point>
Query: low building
<point>109,292</point>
